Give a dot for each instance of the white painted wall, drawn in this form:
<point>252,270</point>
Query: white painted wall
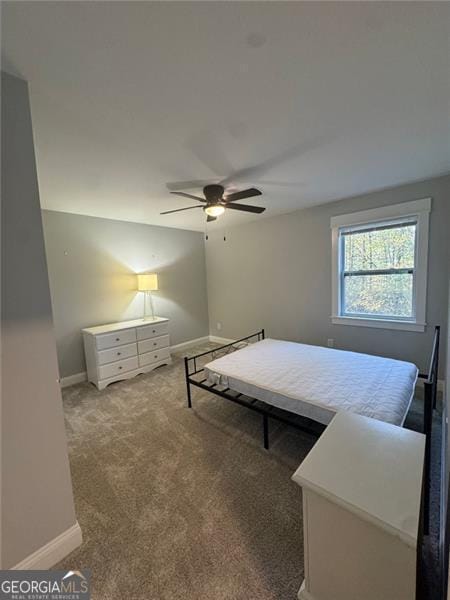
<point>276,273</point>
<point>37,503</point>
<point>92,267</point>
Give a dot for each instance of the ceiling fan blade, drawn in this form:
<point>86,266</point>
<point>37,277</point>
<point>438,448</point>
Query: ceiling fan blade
<point>242,195</point>
<point>195,184</point>
<point>246,208</point>
<point>189,196</point>
<point>209,219</point>
<point>254,173</point>
<point>167,212</point>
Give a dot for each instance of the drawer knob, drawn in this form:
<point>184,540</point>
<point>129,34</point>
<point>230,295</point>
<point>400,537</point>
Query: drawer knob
<point>156,356</point>
<point>120,368</point>
<point>154,331</point>
<point>154,343</point>
<point>117,339</point>
<point>119,353</point>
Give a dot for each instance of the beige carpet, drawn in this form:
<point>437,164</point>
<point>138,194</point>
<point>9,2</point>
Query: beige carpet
<point>182,504</point>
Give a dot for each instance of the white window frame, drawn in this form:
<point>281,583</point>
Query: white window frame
<point>418,210</point>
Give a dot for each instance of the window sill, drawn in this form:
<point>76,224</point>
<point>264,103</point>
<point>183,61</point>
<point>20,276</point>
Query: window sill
<point>378,323</point>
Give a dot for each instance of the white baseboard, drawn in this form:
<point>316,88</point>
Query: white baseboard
<point>73,379</point>
<point>220,340</point>
<point>51,553</point>
<point>202,340</point>
<point>189,344</point>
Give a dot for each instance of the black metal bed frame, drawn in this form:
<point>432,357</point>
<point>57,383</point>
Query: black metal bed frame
<point>266,411</point>
<point>193,369</point>
<point>430,395</point>
<point>430,399</point>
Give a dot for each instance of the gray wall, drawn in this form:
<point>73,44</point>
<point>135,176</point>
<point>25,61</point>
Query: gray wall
<point>37,502</point>
<point>446,438</point>
<point>92,265</point>
<point>276,273</point>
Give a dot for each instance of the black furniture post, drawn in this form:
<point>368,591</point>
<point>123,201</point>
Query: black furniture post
<point>436,365</point>
<point>188,386</point>
<point>266,431</point>
<point>427,426</point>
<point>429,403</point>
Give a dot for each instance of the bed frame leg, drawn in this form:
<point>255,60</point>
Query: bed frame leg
<point>188,387</point>
<point>266,431</point>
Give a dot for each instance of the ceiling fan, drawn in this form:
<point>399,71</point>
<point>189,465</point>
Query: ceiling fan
<point>214,202</point>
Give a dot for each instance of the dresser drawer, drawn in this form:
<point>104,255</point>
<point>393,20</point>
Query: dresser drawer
<point>153,344</point>
<point>116,368</point>
<point>118,353</point>
<point>151,357</point>
<point>118,338</point>
<point>153,330</point>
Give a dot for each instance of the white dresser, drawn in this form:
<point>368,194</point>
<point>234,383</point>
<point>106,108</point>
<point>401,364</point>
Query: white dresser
<point>122,350</point>
<point>362,486</point>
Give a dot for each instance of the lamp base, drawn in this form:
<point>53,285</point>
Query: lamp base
<point>146,316</point>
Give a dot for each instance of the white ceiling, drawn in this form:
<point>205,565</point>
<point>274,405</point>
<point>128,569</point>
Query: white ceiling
<point>308,101</point>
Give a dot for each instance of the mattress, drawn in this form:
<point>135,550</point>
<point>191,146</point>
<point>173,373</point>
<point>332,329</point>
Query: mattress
<point>317,382</point>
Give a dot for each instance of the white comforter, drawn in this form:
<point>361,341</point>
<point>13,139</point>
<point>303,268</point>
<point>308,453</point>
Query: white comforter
<point>316,382</point>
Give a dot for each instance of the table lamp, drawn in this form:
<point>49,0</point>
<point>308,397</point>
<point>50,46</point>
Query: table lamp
<point>147,283</point>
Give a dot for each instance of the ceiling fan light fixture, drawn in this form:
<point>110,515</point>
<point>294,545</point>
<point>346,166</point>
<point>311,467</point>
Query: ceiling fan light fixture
<point>214,210</point>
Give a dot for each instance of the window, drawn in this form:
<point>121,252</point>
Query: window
<point>377,274</point>
<point>379,266</point>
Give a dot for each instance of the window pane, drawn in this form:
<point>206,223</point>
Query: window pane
<point>388,295</point>
<point>383,249</point>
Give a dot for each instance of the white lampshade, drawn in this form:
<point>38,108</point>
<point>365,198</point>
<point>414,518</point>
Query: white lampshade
<point>147,282</point>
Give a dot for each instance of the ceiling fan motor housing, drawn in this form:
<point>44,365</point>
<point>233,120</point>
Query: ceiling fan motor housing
<point>213,193</point>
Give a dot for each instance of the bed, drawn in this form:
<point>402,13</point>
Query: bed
<point>304,386</point>
<point>317,382</point>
